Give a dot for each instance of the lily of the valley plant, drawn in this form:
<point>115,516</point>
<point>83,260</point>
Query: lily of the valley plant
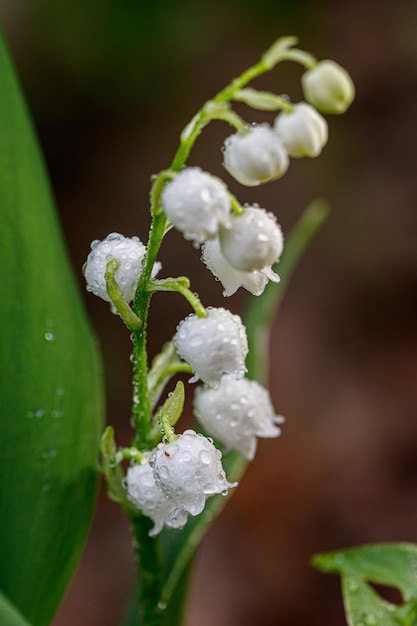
<point>171,475</point>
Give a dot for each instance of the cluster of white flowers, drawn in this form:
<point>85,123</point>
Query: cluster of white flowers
<point>240,248</point>
<point>240,245</point>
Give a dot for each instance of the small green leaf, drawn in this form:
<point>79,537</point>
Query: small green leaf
<point>111,469</point>
<point>262,100</point>
<point>391,565</point>
<point>50,385</point>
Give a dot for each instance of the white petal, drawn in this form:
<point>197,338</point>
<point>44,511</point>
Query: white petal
<point>304,131</point>
<point>231,278</point>
<point>213,345</point>
<point>130,253</point>
<point>236,413</point>
<point>188,470</point>
<point>252,241</point>
<point>255,157</point>
<point>196,203</point>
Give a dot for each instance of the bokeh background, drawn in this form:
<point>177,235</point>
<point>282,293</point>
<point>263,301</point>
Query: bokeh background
<point>110,84</point>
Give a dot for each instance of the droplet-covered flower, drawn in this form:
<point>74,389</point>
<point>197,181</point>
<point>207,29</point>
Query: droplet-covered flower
<point>196,202</point>
<point>236,413</point>
<point>255,157</point>
<point>253,240</point>
<point>303,132</point>
<point>328,87</point>
<point>231,278</point>
<point>129,252</point>
<point>145,494</point>
<point>213,345</point>
<point>188,470</point>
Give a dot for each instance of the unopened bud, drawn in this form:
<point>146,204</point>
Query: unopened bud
<point>256,157</point>
<point>253,240</point>
<point>328,87</point>
<point>303,132</point>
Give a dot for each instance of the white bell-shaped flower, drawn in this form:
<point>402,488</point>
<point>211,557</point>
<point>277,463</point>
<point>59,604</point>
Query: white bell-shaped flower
<point>255,157</point>
<point>236,413</point>
<point>129,251</point>
<point>146,495</point>
<point>231,278</point>
<point>252,241</point>
<point>188,470</point>
<point>213,345</point>
<point>196,202</point>
<point>328,87</point>
<point>303,132</point>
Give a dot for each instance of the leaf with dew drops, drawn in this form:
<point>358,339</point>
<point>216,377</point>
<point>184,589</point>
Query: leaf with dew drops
<point>50,384</point>
<point>393,565</point>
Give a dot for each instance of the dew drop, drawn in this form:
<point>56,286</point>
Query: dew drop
<point>163,471</point>
<point>205,457</point>
<point>36,413</point>
<point>339,558</point>
<point>353,586</point>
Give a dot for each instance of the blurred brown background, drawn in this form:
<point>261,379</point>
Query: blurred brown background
<point>111,83</point>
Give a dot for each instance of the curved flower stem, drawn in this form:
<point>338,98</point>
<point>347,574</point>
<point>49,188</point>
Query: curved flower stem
<point>235,204</point>
<point>123,309</point>
<point>180,286</point>
<point>218,107</point>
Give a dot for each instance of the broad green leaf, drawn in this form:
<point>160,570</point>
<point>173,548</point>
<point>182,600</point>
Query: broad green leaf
<point>9,615</point>
<point>50,382</point>
<point>391,565</point>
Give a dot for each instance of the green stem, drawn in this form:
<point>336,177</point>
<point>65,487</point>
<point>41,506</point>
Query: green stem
<point>149,565</point>
<point>179,285</point>
<point>123,309</point>
<point>235,204</point>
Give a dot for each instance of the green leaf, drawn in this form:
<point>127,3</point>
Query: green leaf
<point>50,384</point>
<point>391,565</point>
<point>9,615</point>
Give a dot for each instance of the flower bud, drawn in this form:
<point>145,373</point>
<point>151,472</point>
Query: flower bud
<point>256,157</point>
<point>328,87</point>
<point>188,470</point>
<point>303,132</point>
<point>196,203</point>
<point>253,240</point>
<point>130,253</point>
<point>231,278</point>
<point>213,345</point>
<point>144,493</point>
<point>236,413</point>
